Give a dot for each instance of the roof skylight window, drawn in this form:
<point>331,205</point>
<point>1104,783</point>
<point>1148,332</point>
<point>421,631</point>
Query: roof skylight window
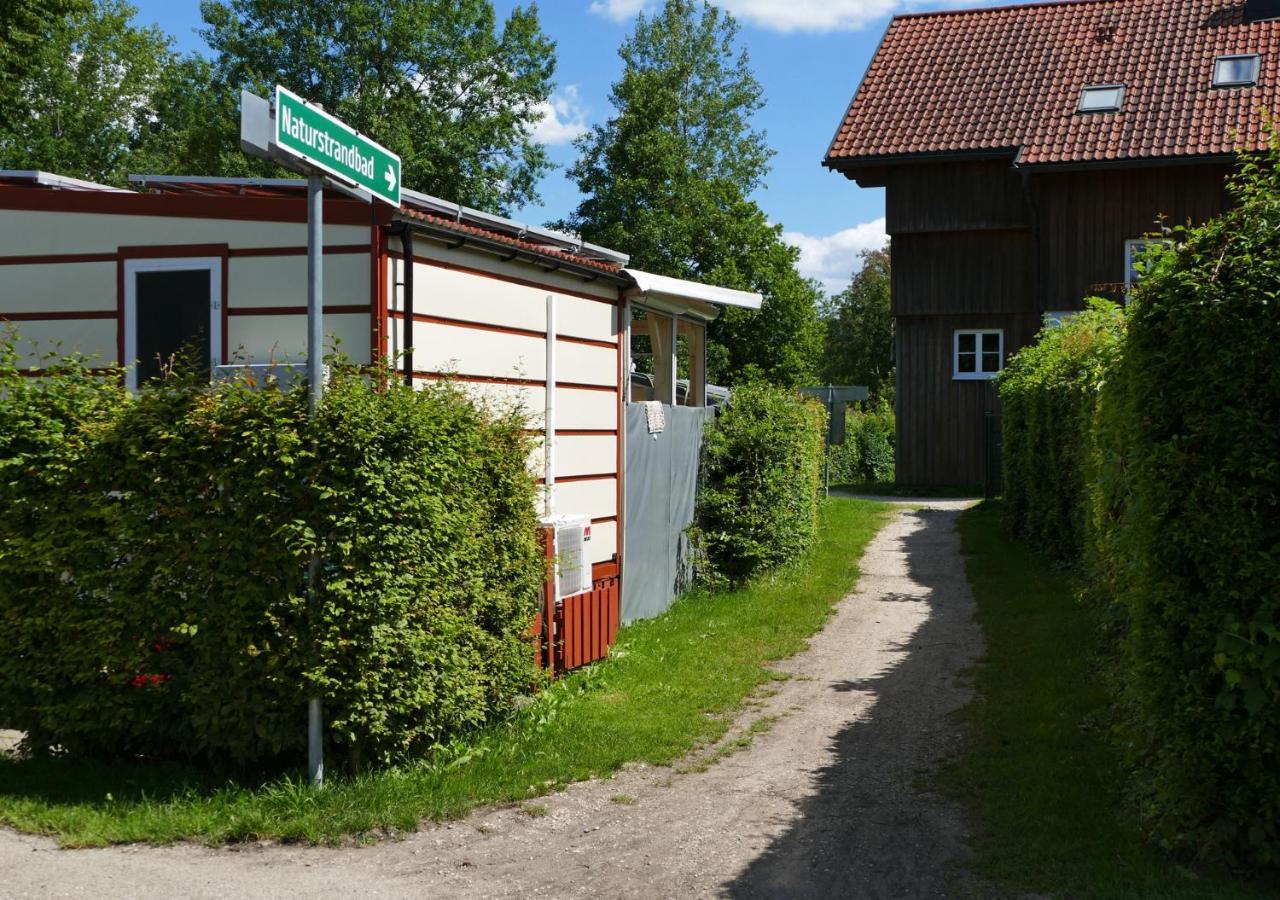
<point>1102,98</point>
<point>1236,71</point>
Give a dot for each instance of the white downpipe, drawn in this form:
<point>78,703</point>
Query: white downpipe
<point>549,427</point>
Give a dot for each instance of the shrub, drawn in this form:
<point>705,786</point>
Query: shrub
<point>1048,393</point>
<point>155,558</point>
<point>758,504</point>
<point>1187,530</point>
<point>867,454</point>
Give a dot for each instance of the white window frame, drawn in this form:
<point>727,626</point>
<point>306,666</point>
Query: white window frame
<point>1098,88</point>
<point>978,375</point>
<point>134,267</point>
<point>1256,58</point>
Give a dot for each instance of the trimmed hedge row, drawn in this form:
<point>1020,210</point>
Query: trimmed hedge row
<point>1172,453</point>
<point>1048,395</point>
<point>154,554</point>
<point>757,506</point>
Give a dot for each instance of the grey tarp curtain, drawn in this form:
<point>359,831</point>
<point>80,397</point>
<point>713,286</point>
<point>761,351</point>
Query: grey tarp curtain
<point>661,486</point>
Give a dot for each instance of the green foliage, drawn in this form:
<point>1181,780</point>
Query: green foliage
<point>1048,394</point>
<point>867,454</point>
<point>437,81</point>
<point>859,346</point>
<point>1186,529</point>
<point>79,83</point>
<point>155,553</point>
<point>758,504</point>
<point>668,177</point>
<point>1147,445</point>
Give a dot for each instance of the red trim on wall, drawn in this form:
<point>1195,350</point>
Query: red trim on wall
<point>604,520</point>
<point>51,316</point>
<point>56,259</point>
<point>269,209</point>
<point>336,309</point>
<point>519,382</point>
<point>429,319</point>
<point>573,479</point>
<point>172,251</point>
<point>330,250</point>
<point>524,282</point>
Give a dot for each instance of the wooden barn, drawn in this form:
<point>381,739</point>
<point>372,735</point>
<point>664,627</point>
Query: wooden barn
<point>1027,153</point>
<point>511,311</point>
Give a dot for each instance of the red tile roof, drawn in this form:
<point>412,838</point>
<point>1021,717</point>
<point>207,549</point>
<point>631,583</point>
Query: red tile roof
<point>1010,78</point>
<point>543,250</point>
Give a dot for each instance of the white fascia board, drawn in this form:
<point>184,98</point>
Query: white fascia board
<point>49,179</point>
<point>651,289</point>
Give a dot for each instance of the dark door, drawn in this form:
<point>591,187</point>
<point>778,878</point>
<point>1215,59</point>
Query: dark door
<point>173,309</point>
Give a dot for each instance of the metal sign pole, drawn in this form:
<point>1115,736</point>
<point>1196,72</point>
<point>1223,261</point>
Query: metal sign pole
<point>315,391</point>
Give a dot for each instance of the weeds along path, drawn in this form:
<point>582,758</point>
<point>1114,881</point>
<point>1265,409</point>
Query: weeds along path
<point>813,794</point>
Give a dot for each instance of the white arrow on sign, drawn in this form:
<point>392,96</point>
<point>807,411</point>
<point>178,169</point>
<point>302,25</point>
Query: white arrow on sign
<point>391,178</point>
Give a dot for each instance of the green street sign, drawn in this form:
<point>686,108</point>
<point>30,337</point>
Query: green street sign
<point>321,141</point>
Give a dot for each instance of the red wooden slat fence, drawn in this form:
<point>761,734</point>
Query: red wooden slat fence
<point>585,625</point>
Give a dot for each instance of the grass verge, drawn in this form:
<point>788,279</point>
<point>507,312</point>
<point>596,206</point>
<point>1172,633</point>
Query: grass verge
<point>1038,770</point>
<point>673,684</point>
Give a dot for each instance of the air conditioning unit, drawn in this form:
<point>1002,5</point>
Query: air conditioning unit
<point>259,375</point>
<point>572,536</point>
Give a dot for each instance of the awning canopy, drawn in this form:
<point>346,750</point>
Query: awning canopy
<point>686,298</point>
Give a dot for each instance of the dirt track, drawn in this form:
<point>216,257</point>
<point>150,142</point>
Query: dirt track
<point>823,805</point>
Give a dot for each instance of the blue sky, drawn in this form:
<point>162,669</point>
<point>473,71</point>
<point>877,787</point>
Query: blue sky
<point>809,56</point>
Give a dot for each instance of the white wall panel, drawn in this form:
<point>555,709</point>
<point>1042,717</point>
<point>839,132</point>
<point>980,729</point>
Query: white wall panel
<point>264,339</point>
<point>60,287</point>
<point>586,318</point>
<point>28,232</point>
<point>91,337</point>
<point>586,455</point>
<point>489,263</point>
<point>584,364</point>
<point>471,351</point>
<point>452,294</point>
<point>604,541</point>
<point>595,498</point>
<point>282,280</point>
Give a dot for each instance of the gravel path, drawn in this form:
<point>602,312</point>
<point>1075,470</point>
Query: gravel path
<point>825,804</point>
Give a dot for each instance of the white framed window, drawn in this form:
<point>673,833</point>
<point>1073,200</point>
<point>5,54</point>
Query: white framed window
<point>1236,71</point>
<point>977,355</point>
<point>170,304</point>
<point>1133,251</point>
<point>1101,98</point>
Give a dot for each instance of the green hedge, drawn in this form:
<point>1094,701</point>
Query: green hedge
<point>1048,394</point>
<point>1187,529</point>
<point>758,503</point>
<point>1148,448</point>
<point>867,454</point>
<point>154,550</point>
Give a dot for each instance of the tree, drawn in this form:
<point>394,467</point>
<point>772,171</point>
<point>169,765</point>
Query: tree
<point>668,179</point>
<point>78,86</point>
<point>859,346</point>
<point>433,80</point>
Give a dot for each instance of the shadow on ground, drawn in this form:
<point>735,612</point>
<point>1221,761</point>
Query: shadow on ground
<point>867,830</point>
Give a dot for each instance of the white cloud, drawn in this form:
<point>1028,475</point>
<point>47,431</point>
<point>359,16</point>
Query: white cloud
<point>563,118</point>
<point>619,10</point>
<point>832,259</point>
<point>788,16</point>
